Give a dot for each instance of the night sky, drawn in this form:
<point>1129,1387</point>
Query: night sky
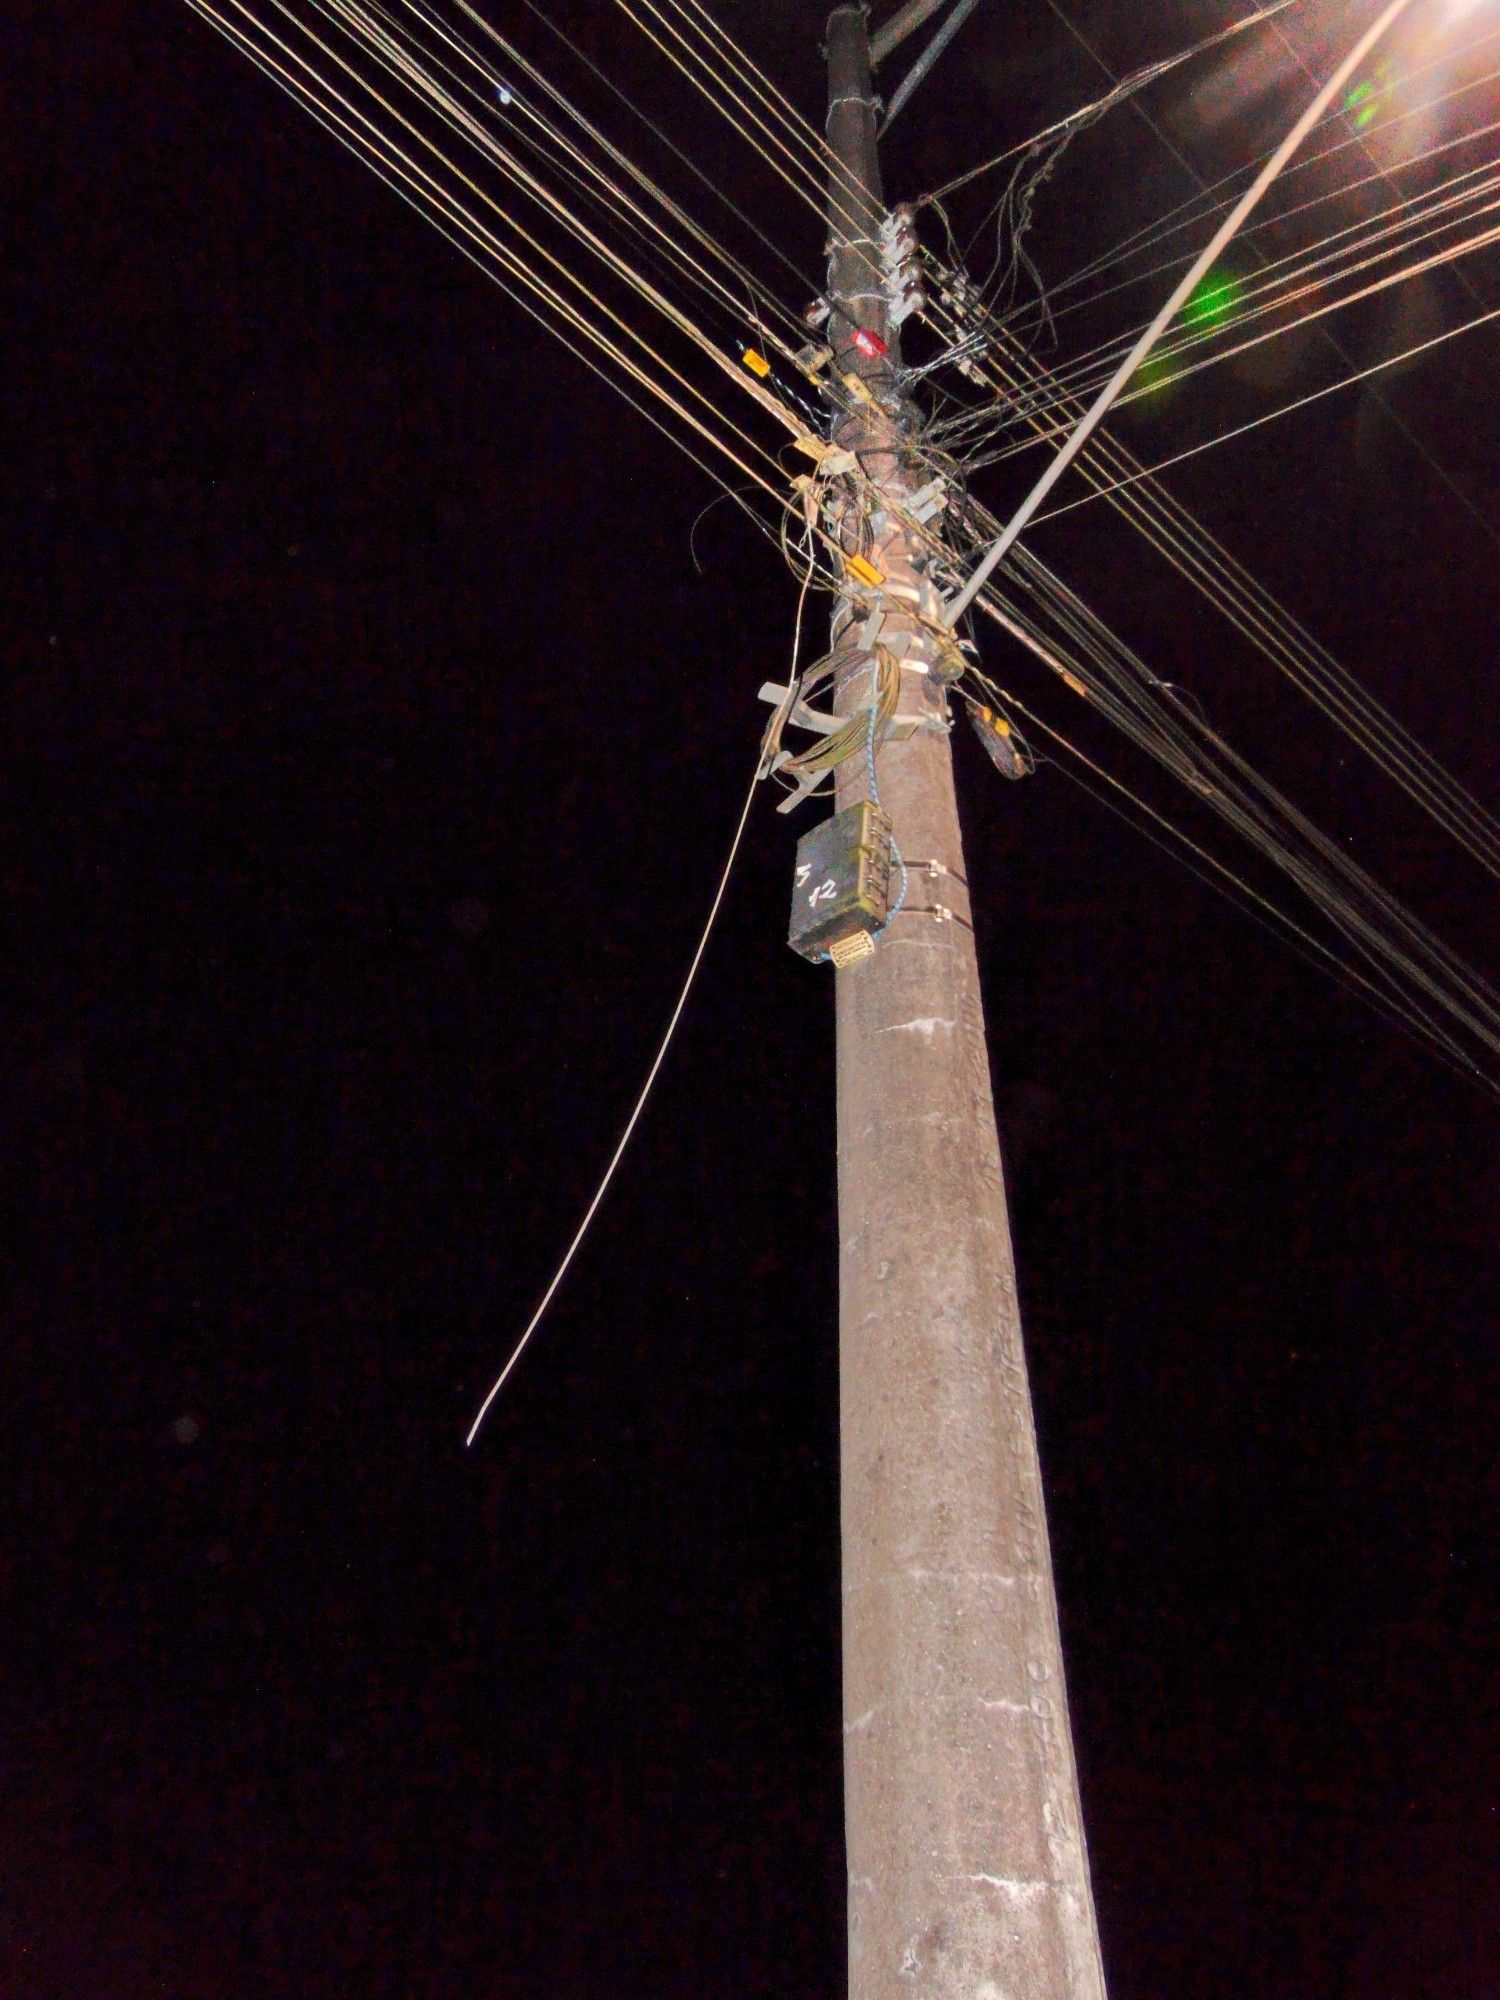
<point>371,745</point>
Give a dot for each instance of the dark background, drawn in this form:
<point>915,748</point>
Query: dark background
<point>371,744</point>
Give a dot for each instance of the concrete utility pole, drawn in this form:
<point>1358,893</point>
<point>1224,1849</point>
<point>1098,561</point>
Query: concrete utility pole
<point>968,1878</point>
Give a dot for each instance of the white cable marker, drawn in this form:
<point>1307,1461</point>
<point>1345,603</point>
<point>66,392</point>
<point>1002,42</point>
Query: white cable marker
<point>1099,409</point>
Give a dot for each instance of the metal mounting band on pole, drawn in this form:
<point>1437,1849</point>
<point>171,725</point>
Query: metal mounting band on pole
<point>1095,415</point>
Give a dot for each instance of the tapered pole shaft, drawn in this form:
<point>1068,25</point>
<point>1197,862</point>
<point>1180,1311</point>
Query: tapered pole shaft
<point>968,1878</point>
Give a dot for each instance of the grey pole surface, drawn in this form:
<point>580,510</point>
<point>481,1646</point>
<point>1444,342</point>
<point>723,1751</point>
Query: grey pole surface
<point>968,1877</point>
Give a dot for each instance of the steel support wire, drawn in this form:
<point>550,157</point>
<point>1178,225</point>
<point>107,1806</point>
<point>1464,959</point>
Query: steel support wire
<point>1190,732</point>
<point>1388,961</point>
<point>1298,275</point>
<point>1433,261</point>
<point>459,223</point>
<point>1170,839</point>
<point>1166,735</point>
<point>1088,114</point>
<point>713,187</point>
<point>1339,192</point>
<point>1307,273</point>
<point>551,204</point>
<point>1174,303</point>
<point>568,156</point>
<point>771,95</point>
<point>655,246</point>
<point>1150,472</point>
<point>1177,535</point>
<point>709,80</point>
<point>1186,746</point>
<point>1202,207</point>
<point>1260,618</point>
<point>1417,443</point>
<point>460,104</point>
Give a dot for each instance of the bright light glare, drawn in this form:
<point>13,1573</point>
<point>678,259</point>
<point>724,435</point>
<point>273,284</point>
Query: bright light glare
<point>1214,300</point>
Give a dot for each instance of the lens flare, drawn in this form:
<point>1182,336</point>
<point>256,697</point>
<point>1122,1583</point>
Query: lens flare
<point>1365,100</point>
<point>1213,301</point>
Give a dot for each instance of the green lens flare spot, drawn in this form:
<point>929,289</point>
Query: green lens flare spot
<point>1363,102</point>
<point>1214,300</point>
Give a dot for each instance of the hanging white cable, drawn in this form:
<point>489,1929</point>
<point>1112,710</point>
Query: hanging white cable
<point>1173,305</point>
<point>630,1124</point>
<point>657,1065</point>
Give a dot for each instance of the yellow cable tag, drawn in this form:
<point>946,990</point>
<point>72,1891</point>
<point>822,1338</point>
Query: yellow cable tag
<point>756,363</point>
<point>856,388</point>
<point>814,447</point>
<point>864,571</point>
<point>851,950</point>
